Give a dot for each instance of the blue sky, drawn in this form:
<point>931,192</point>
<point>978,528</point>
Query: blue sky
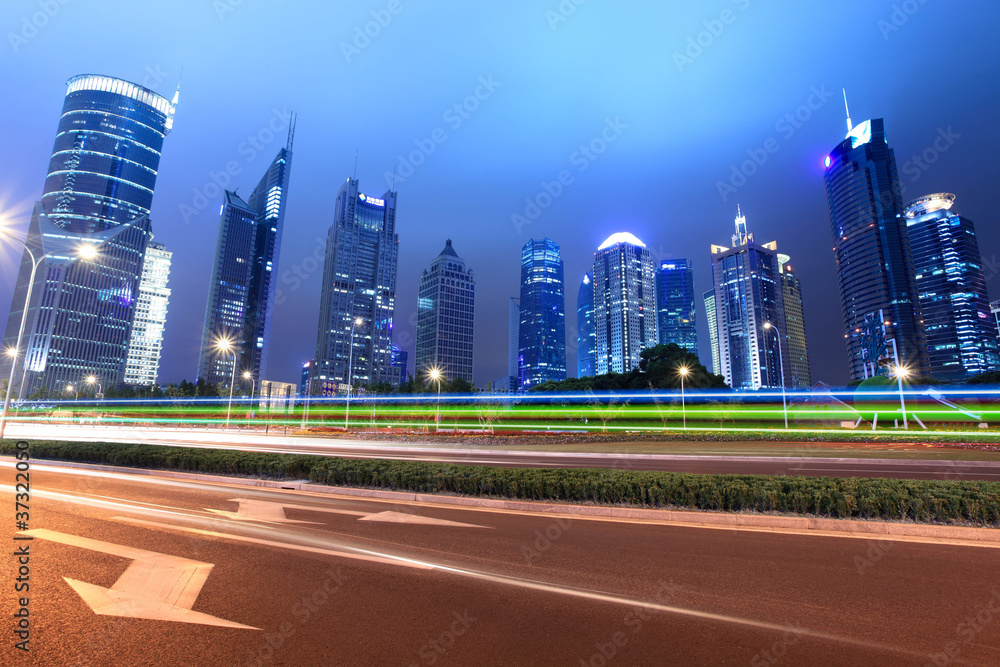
<point>647,105</point>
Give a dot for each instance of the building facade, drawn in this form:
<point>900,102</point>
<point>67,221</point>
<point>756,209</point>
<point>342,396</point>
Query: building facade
<point>958,322</point>
<point>542,330</point>
<point>446,308</point>
<point>98,191</point>
<point>675,311</point>
<point>142,365</point>
<point>870,243</point>
<point>624,303</point>
<point>794,330</point>
<point>358,297</point>
<point>748,295</point>
<point>510,381</point>
<point>712,319</point>
<point>586,337</point>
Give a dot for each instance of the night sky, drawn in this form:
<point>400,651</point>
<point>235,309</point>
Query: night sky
<point>666,120</point>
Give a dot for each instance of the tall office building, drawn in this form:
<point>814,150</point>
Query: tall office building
<point>586,337</point>
<point>713,329</point>
<point>870,243</point>
<point>446,309</point>
<point>400,364</point>
<point>359,290</point>
<point>241,293</point>
<point>960,333</point>
<point>624,303</point>
<point>542,331</point>
<point>995,310</point>
<point>794,330</point>
<point>510,382</point>
<point>748,294</point>
<point>98,191</point>
<point>675,312</point>
<point>142,365</point>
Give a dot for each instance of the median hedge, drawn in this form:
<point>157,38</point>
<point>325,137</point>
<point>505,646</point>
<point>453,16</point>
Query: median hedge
<point>966,502</point>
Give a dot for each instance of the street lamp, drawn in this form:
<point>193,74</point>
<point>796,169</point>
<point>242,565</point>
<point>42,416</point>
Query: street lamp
<point>224,345</point>
<point>92,379</point>
<point>683,372</point>
<point>902,372</point>
<point>436,375</point>
<point>350,362</point>
<point>71,388</point>
<point>781,360</point>
<point>84,251</point>
<point>247,375</point>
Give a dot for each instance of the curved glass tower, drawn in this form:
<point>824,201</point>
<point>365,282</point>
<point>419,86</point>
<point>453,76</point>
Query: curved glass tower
<point>542,331</point>
<point>99,190</point>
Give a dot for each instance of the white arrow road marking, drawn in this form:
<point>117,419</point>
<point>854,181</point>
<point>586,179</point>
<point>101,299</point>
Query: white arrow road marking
<point>259,510</point>
<point>402,517</point>
<point>155,586</point>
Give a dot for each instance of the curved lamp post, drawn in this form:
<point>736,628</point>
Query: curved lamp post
<point>225,345</point>
<point>781,361</point>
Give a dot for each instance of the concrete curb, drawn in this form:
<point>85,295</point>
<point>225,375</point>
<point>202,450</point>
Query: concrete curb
<point>845,527</point>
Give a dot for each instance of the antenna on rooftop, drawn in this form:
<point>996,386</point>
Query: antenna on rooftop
<point>291,130</point>
<point>850,126</point>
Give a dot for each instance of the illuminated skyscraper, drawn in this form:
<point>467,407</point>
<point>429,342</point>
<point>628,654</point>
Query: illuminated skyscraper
<point>675,304</point>
<point>870,243</point>
<point>542,331</point>
<point>748,294</point>
<point>586,337</point>
<point>359,290</point>
<point>794,330</point>
<point>713,329</point>
<point>146,344</point>
<point>446,309</point>
<point>624,303</point>
<point>99,189</point>
<point>958,323</point>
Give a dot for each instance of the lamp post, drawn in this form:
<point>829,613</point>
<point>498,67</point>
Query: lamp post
<point>435,374</point>
<point>91,380</point>
<point>350,362</point>
<point>247,375</point>
<point>901,373</point>
<point>226,345</point>
<point>781,361</point>
<point>71,388</point>
<point>85,251</point>
<point>683,372</point>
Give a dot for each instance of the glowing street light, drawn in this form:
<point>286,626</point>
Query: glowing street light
<point>91,380</point>
<point>781,360</point>
<point>350,375</point>
<point>71,388</point>
<point>436,375</point>
<point>901,372</point>
<point>683,371</point>
<point>224,345</point>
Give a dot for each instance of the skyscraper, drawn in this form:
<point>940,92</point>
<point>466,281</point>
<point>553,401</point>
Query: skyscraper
<point>446,308</point>
<point>142,365</point>
<point>713,329</point>
<point>511,383</point>
<point>542,331</point>
<point>624,303</point>
<point>99,190</point>
<point>874,266</point>
<point>675,312</point>
<point>748,294</point>
<point>241,293</point>
<point>961,338</point>
<point>794,330</point>
<point>359,290</point>
<point>586,337</point>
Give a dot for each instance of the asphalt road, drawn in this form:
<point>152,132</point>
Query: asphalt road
<point>212,574</point>
<point>810,466</point>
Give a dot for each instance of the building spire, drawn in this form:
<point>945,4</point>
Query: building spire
<point>741,235</point>
<point>355,177</point>
<point>850,126</point>
<point>291,131</point>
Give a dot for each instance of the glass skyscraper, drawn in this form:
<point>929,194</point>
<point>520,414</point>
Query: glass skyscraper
<point>958,323</point>
<point>446,309</point>
<point>241,294</point>
<point>586,337</point>
<point>870,243</point>
<point>99,190</point>
<point>358,297</point>
<point>794,330</point>
<point>143,363</point>
<point>711,316</point>
<point>624,303</point>
<point>675,304</point>
<point>748,294</point>
<point>542,331</point>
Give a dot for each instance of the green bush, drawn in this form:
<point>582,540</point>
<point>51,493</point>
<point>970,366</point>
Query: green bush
<point>962,502</point>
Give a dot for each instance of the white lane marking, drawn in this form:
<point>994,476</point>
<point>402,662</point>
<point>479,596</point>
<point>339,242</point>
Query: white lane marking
<point>403,517</point>
<point>155,586</point>
<point>274,512</point>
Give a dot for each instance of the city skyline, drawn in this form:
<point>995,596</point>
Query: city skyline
<point>441,193</point>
